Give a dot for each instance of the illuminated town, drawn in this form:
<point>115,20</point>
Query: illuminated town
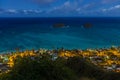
<point>107,59</point>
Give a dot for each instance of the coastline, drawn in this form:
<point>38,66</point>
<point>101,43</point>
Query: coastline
<point>105,58</point>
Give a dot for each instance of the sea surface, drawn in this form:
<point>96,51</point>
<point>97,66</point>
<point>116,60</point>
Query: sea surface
<point>36,33</point>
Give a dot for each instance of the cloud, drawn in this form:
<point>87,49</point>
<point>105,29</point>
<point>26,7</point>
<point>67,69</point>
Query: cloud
<point>109,1</point>
<point>1,10</point>
<point>111,11</point>
<point>75,8</point>
<point>86,7</point>
<point>14,11</point>
<point>43,1</point>
<point>66,7</point>
<point>116,7</point>
<point>11,11</point>
<point>8,11</point>
<point>69,8</point>
<point>30,11</point>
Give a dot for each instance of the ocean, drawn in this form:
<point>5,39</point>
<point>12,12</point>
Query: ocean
<point>36,33</point>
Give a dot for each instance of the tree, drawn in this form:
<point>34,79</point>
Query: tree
<point>38,69</point>
<point>85,68</point>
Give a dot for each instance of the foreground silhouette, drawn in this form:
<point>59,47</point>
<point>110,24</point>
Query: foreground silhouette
<point>44,67</point>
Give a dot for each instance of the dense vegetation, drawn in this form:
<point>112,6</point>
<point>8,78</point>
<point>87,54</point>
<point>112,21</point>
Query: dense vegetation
<point>45,68</point>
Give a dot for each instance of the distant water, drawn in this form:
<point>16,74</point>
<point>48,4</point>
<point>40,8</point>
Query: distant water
<point>29,33</point>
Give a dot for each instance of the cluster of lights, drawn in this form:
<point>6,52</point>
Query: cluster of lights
<point>107,59</point>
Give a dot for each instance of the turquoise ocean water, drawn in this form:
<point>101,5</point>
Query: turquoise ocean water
<point>29,33</point>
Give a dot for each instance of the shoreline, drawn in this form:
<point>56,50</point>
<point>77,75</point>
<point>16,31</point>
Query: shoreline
<point>14,50</point>
<point>105,58</point>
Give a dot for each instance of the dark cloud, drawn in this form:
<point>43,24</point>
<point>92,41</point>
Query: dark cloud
<point>1,10</point>
<point>42,2</point>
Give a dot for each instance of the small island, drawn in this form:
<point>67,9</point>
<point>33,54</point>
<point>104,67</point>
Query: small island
<point>59,25</point>
<point>87,25</point>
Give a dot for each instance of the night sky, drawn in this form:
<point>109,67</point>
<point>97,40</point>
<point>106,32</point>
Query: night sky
<point>59,8</point>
